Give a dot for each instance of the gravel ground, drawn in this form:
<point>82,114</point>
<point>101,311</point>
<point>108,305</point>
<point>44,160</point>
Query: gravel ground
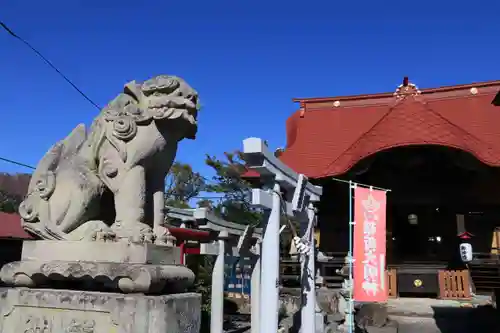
<point>426,316</point>
<point>430,325</point>
<point>436,316</point>
<point>422,325</point>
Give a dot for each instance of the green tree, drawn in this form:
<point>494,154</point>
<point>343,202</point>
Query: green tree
<point>182,184</point>
<point>9,203</point>
<point>205,203</point>
<point>13,188</point>
<point>235,191</point>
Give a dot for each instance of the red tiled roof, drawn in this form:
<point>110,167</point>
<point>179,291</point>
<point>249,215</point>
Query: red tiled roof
<point>10,227</point>
<point>328,136</point>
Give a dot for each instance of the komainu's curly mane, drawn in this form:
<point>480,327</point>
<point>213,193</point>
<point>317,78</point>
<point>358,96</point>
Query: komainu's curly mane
<point>159,99</point>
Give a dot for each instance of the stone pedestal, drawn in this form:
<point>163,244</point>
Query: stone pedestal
<point>99,266</point>
<point>94,287</point>
<point>65,311</point>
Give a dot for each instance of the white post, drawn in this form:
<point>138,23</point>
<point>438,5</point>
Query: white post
<point>217,305</point>
<point>259,158</point>
<point>269,296</point>
<point>183,247</point>
<point>255,292</point>
<point>308,285</point>
<point>349,319</point>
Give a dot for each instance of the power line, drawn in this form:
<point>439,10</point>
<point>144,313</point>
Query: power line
<point>51,65</point>
<point>17,163</point>
<point>8,160</point>
<point>47,61</point>
<point>199,197</point>
<point>13,34</point>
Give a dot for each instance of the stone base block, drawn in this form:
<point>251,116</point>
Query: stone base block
<point>98,251</point>
<point>64,311</point>
<point>98,276</point>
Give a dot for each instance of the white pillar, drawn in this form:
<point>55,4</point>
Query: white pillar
<point>183,247</point>
<point>308,273</point>
<point>217,304</point>
<point>255,293</point>
<point>269,297</point>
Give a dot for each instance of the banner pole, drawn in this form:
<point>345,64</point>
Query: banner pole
<point>360,184</point>
<point>350,317</point>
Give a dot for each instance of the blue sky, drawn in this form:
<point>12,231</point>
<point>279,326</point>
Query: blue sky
<point>247,59</point>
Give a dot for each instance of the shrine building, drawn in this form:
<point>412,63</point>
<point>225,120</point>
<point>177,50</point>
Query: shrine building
<point>436,149</point>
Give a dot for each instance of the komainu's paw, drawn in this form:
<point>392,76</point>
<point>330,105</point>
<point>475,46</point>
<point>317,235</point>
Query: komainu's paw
<point>104,236</point>
<point>146,235</point>
<point>163,236</point>
<point>94,230</point>
<point>134,232</point>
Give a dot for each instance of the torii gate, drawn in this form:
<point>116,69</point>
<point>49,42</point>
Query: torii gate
<point>215,239</point>
<point>286,193</point>
<point>297,201</point>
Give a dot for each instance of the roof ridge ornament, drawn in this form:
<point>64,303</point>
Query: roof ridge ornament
<point>406,89</point>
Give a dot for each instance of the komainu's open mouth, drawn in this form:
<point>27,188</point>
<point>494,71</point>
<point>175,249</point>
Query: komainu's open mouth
<point>169,97</point>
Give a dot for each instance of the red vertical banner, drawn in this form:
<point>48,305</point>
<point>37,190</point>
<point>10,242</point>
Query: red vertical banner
<point>370,282</point>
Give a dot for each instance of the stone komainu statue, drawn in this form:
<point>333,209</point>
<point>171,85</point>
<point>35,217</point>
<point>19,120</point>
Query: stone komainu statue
<point>110,180</point>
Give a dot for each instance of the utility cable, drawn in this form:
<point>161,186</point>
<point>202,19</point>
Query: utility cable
<point>8,160</point>
<point>48,62</point>
<point>17,163</point>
